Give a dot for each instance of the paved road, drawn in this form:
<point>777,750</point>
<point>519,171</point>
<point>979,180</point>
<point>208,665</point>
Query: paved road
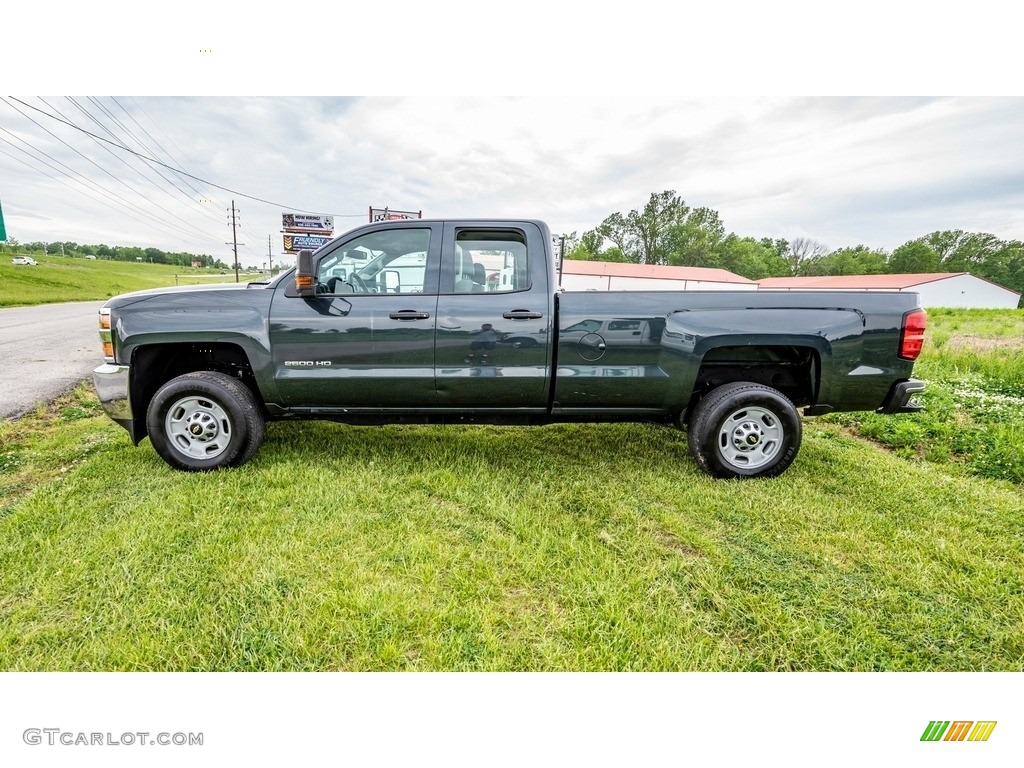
<point>44,352</point>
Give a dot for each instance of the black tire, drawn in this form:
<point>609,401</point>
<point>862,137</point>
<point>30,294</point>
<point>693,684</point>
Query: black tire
<point>203,421</point>
<point>744,430</point>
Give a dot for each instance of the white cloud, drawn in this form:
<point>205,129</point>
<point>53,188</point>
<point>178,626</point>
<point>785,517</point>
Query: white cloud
<point>877,171</point>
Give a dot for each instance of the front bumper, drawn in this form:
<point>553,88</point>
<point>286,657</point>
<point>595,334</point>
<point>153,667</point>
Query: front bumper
<point>112,386</point>
<point>898,399</point>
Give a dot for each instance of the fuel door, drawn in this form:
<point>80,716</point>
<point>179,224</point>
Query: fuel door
<point>592,346</point>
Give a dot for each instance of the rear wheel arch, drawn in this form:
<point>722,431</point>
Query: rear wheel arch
<point>793,370</point>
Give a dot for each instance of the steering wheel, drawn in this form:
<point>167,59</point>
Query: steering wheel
<point>358,283</point>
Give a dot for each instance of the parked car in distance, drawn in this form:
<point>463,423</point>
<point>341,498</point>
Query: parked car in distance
<point>26,260</point>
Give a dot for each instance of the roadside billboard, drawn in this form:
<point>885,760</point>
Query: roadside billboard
<point>307,223</point>
<point>386,214</point>
<point>296,243</point>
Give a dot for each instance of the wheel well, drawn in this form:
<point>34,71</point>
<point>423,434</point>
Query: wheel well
<point>794,371</point>
<point>154,365</point>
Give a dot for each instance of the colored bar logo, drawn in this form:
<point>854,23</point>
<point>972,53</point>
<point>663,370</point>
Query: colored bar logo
<point>958,730</point>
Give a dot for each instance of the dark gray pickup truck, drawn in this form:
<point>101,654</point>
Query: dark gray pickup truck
<point>462,321</point>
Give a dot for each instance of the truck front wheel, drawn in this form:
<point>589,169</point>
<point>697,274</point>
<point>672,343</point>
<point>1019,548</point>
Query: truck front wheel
<point>744,430</point>
<point>203,421</point>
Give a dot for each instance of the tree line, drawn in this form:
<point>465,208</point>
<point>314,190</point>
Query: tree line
<point>668,231</point>
<point>113,253</point>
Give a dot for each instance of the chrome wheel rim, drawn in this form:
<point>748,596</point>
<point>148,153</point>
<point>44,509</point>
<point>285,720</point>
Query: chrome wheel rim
<point>198,427</point>
<point>750,437</point>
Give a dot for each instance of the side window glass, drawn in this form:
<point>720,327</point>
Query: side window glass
<point>623,325</point>
<point>388,261</point>
<point>584,326</point>
<point>491,261</point>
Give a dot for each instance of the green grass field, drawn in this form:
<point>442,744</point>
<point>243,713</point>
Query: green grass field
<point>584,547</point>
<point>973,361</point>
<point>59,278</point>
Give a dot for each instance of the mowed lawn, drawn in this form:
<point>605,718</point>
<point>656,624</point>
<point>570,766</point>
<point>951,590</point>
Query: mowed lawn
<point>584,547</point>
<point>66,278</point>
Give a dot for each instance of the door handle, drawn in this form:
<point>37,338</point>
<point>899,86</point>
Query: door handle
<point>409,314</point>
<point>522,314</point>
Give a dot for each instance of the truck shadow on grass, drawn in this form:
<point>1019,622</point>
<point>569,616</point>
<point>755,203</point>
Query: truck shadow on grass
<point>607,448</point>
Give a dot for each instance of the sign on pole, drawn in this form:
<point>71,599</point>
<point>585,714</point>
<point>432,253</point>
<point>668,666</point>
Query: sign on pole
<point>296,243</point>
<point>305,223</point>
<point>306,231</point>
<point>386,214</point>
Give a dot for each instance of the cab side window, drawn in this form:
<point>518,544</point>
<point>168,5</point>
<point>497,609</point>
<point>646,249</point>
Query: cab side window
<point>388,261</point>
<point>490,261</point>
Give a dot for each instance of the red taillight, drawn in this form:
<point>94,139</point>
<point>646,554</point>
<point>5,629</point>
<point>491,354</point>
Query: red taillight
<point>912,335</point>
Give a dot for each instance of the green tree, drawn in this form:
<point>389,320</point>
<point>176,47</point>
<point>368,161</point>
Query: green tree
<point>802,252</point>
<point>753,259</point>
<point>961,251</point>
<point>859,260</point>
<point>585,247</point>
<point>697,240</point>
<point>643,235</point>
<point>914,257</point>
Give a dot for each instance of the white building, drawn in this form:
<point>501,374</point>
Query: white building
<point>940,289</point>
<point>617,276</point>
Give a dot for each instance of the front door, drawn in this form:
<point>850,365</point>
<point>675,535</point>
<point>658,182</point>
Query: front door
<point>366,340</point>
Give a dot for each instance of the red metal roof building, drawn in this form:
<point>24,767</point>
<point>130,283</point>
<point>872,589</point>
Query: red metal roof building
<point>617,276</point>
<point>936,289</point>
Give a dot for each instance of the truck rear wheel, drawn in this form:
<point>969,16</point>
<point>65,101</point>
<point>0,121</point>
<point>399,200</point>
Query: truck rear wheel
<point>203,421</point>
<point>744,430</point>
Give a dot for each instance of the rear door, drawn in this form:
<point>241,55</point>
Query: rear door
<point>494,317</point>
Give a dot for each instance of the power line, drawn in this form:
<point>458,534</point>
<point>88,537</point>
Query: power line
<point>192,201</point>
<point>98,186</point>
<point>151,138</point>
<point>35,168</point>
<point>142,144</point>
<point>207,197</point>
<point>167,153</point>
<point>185,173</point>
<point>169,138</point>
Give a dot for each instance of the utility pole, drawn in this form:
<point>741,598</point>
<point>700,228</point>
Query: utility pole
<point>270,255</point>
<point>234,237</point>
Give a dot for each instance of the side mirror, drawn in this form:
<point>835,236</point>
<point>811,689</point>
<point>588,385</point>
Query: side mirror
<point>392,281</point>
<point>305,280</point>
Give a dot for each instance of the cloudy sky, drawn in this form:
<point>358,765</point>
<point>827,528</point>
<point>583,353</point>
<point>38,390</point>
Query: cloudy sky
<point>874,170</point>
<point>844,171</point>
